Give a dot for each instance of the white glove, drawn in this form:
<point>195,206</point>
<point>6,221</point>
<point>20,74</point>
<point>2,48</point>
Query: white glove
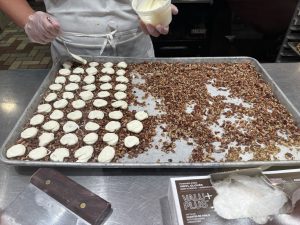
<point>42,28</point>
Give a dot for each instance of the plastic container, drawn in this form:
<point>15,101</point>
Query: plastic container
<point>153,12</point>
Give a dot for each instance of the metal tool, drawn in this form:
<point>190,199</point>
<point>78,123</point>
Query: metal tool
<point>252,172</point>
<point>77,58</point>
<point>52,198</point>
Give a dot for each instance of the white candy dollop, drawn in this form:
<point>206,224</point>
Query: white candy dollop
<point>91,126</point>
<point>108,64</point>
<point>89,79</point>
<point>64,72</point>
<point>44,108</point>
<point>30,132</point>
<point>86,95</point>
<point>38,153</point>
<point>121,87</point>
<point>115,115</point>
<point>105,78</point>
<point>113,126</point>
<point>106,154</point>
<point>121,72</point>
<point>55,87</point>
<point>45,139</point>
<point>100,103</point>
<point>67,65</point>
<point>60,104</point>
<point>93,64</point>
<point>110,138</point>
<point>71,87</point>
<point>122,65</point>
<point>91,71</point>
<point>56,115</point>
<point>131,141</point>
<point>51,97</point>
<point>15,151</point>
<point>70,126</point>
<point>119,104</point>
<point>96,114</point>
<point>120,95</point>
<point>106,86</point>
<point>59,154</point>
<point>51,125</point>
<point>103,94</point>
<point>134,126</point>
<point>90,138</point>
<point>108,70</point>
<point>74,78</point>
<point>69,139</point>
<point>122,79</point>
<point>78,70</point>
<point>78,104</point>
<point>68,95</point>
<point>89,87</point>
<point>141,115</point>
<point>84,153</point>
<point>37,119</point>
<point>75,115</point>
<point>60,80</point>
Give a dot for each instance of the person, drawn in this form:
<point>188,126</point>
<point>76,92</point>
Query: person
<point>91,28</point>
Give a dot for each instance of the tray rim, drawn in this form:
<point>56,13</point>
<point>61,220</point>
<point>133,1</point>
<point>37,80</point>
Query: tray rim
<point>275,88</point>
<point>292,44</point>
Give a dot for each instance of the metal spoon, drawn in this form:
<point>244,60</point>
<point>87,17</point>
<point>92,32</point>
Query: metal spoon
<point>74,56</point>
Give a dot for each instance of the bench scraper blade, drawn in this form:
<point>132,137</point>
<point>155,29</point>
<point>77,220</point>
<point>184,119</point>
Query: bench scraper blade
<point>53,199</point>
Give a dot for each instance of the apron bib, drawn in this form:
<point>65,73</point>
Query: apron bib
<point>94,28</point>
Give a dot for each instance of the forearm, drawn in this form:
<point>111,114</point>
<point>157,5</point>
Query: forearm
<point>17,10</point>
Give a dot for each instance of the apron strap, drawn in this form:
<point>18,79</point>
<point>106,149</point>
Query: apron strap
<point>109,38</point>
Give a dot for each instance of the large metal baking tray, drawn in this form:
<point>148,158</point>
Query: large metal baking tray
<point>15,133</point>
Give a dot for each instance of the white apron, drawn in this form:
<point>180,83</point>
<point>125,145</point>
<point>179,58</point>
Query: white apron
<point>98,27</point>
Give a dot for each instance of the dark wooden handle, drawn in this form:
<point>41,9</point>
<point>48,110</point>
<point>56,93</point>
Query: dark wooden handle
<point>73,196</point>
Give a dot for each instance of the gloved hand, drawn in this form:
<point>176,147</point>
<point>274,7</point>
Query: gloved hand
<point>159,29</point>
<point>42,28</point>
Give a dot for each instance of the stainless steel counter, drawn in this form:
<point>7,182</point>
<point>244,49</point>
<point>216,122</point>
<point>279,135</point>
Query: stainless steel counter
<point>138,196</point>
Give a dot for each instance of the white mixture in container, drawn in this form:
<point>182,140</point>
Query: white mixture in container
<point>242,196</point>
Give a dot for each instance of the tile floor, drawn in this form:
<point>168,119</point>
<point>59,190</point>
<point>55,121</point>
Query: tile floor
<point>17,52</point>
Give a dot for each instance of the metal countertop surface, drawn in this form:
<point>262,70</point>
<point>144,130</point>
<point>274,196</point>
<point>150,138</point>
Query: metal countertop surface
<point>138,196</point>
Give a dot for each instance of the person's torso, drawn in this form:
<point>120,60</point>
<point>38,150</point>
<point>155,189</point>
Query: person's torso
<point>93,16</point>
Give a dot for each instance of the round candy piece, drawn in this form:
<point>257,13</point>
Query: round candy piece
<point>37,119</point>
<point>38,153</point>
<point>141,115</point>
<point>30,132</point>
<point>131,141</point>
<point>45,139</point>
<point>15,151</point>
<point>69,139</point>
<point>59,154</point>
<point>56,115</point>
<point>135,126</point>
<point>84,153</point>
<point>110,138</point>
<point>90,138</point>
<point>106,155</point>
<point>115,115</point>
